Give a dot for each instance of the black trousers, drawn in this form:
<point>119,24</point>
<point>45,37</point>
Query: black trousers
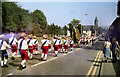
<point>114,56</point>
<point>4,54</point>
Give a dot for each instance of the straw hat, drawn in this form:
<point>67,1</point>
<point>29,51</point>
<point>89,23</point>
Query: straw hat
<point>22,35</point>
<point>45,36</point>
<point>2,36</point>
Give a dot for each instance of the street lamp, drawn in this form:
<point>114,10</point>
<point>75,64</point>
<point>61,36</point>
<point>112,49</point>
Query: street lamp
<point>81,23</point>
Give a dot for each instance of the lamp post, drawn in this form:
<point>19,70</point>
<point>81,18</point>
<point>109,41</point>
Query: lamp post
<point>81,21</point>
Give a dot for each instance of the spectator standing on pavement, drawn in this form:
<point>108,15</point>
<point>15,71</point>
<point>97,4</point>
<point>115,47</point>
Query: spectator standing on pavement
<point>115,45</point>
<point>107,46</point>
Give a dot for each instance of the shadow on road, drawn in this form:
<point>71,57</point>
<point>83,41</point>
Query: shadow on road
<point>14,65</point>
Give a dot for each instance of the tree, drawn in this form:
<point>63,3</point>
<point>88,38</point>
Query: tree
<point>65,28</point>
<point>72,23</point>
<point>17,19</point>
<point>79,28</point>
<point>39,20</point>
<point>54,29</point>
<point>100,30</point>
<point>60,32</point>
<point>12,16</point>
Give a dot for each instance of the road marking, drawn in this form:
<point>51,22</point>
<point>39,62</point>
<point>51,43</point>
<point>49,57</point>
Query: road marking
<point>92,64</point>
<point>44,61</point>
<point>78,49</point>
<point>94,70</point>
<point>8,74</point>
<point>50,59</point>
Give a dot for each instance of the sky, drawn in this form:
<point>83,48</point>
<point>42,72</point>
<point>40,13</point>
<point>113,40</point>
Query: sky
<point>61,13</point>
<point>64,0</point>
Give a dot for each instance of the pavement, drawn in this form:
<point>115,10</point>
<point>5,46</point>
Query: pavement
<point>110,69</point>
<point>81,61</point>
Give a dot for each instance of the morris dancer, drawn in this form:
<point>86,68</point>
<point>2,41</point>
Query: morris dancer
<point>49,46</point>
<point>22,46</point>
<point>55,45</point>
<point>35,44</point>
<point>65,45</point>
<point>81,40</point>
<point>3,47</point>
<point>13,44</point>
<point>30,43</point>
<point>71,44</point>
<point>44,47</point>
<point>60,44</point>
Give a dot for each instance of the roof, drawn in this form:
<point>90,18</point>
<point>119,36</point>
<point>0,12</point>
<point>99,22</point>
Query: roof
<point>87,27</point>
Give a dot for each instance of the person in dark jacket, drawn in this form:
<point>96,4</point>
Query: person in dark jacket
<point>114,53</point>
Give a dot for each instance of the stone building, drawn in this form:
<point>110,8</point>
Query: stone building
<point>91,30</point>
<point>114,29</point>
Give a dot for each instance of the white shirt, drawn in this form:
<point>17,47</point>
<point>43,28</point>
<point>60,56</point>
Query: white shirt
<point>65,42</point>
<point>88,40</point>
<point>31,43</point>
<point>4,45</point>
<point>24,44</point>
<point>14,41</point>
<point>85,40</point>
<point>71,41</point>
<point>35,40</point>
<point>57,43</point>
<point>107,44</point>
<point>47,43</point>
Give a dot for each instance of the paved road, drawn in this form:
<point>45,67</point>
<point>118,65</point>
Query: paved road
<point>79,62</point>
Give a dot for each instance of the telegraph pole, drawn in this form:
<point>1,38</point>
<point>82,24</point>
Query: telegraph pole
<point>81,23</point>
